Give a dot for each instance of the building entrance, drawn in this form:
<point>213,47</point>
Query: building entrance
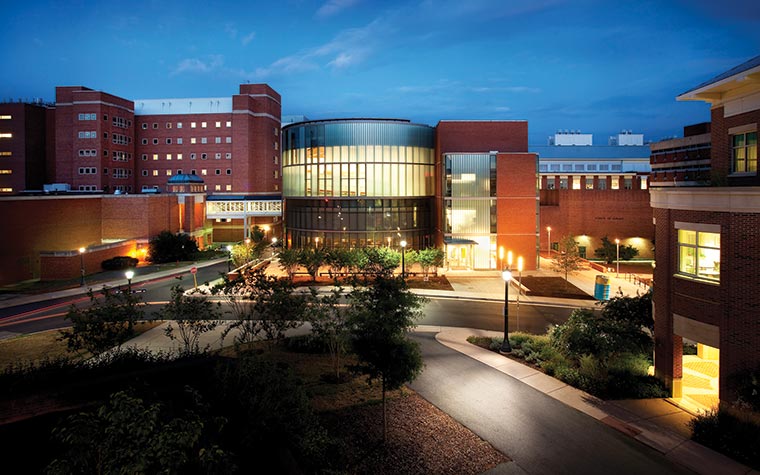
<point>699,385</point>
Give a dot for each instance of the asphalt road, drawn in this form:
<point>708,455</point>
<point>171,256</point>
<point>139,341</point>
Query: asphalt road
<point>540,434</point>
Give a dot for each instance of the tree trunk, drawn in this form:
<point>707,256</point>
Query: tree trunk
<point>385,418</point>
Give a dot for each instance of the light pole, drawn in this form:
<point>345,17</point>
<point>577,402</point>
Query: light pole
<point>403,252</point>
<point>129,274</point>
<point>519,288</point>
<point>316,242</point>
<point>81,265</point>
<point>617,257</point>
<point>229,257</point>
<point>501,256</point>
<point>509,260</point>
<point>549,237</point>
<point>247,249</point>
<point>505,346</point>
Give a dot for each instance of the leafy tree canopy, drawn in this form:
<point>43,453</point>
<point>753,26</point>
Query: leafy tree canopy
<point>609,251</point>
<point>169,247</point>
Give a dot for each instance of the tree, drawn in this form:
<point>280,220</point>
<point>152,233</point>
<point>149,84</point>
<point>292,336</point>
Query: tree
<point>330,323</point>
<point>636,310</point>
<point>567,259</point>
<point>193,316</point>
<point>380,317</point>
<point>609,251</point>
<point>381,260</point>
<point>338,260</point>
<point>430,258</point>
<point>105,324</point>
<point>312,260</point>
<point>128,435</point>
<point>263,306</point>
<point>170,247</point>
<point>289,260</point>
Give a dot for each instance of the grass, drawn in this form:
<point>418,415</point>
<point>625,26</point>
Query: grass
<point>553,287</point>
<point>36,347</point>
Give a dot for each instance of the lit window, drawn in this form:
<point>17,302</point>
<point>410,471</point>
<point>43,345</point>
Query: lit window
<point>615,183</point>
<point>6,154</point>
<point>179,156</point>
<point>217,187</point>
<point>229,123</point>
<point>5,117</point>
<point>8,135</point>
<point>218,124</point>
<point>229,187</point>
<point>155,172</point>
<point>589,183</point>
<point>192,140</point>
<point>168,173</point>
<point>699,254</point>
<point>168,156</point>
<point>576,183</point>
<point>155,156</point>
<point>744,152</point>
<point>218,140</point>
<point>192,125</point>
<point>179,125</point>
<point>6,172</point>
<point>168,125</point>
<point>179,140</point>
<point>203,139</point>
<point>204,172</point>
<point>6,190</point>
<point>228,139</point>
<point>203,125</point>
<point>644,183</point>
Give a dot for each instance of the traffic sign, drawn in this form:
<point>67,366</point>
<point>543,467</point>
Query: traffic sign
<point>193,270</point>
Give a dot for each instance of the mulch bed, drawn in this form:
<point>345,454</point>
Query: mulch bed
<point>553,287</point>
<point>421,439</point>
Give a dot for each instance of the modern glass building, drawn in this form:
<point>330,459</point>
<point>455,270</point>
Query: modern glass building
<point>358,182</point>
<point>469,196</point>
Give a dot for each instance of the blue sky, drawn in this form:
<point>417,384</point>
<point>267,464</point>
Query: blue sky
<point>596,66</point>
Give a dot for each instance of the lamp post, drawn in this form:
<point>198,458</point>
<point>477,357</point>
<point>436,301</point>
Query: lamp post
<point>81,265</point>
<point>229,257</point>
<point>617,257</point>
<point>509,260</point>
<point>316,242</point>
<point>519,288</point>
<point>129,274</point>
<point>501,256</point>
<point>549,237</point>
<point>505,346</point>
<point>403,252</point>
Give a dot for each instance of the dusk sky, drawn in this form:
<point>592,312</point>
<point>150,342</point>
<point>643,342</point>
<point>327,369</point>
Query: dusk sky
<point>596,66</point>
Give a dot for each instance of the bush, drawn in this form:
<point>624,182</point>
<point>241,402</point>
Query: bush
<point>119,263</point>
<point>728,432</point>
<point>307,344</point>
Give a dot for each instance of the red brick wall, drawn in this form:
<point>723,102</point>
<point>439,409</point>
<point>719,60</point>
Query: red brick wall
<point>68,267</point>
<point>622,214</point>
<point>516,205</point>
<point>722,146</point>
<point>482,136</point>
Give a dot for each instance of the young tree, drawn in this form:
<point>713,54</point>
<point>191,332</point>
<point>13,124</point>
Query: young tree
<point>193,316</point>
<point>380,317</point>
<point>430,258</point>
<point>263,306</point>
<point>105,324</point>
<point>312,260</point>
<point>170,247</point>
<point>567,260</point>
<point>609,251</point>
<point>381,261</point>
<point>289,260</point>
<point>635,310</point>
<point>330,323</point>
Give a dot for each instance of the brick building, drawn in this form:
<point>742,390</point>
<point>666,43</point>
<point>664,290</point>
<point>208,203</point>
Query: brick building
<point>591,191</point>
<point>707,251</point>
<point>24,146</point>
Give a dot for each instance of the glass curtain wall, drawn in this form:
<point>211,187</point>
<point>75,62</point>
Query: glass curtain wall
<point>373,180</point>
<point>470,207</point>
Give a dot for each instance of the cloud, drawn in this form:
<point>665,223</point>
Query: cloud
<point>196,65</point>
<point>231,31</point>
<point>333,7</point>
<point>348,48</point>
<point>248,38</point>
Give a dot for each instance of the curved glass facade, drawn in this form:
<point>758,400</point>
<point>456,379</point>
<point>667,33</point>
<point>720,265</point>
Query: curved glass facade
<point>373,181</point>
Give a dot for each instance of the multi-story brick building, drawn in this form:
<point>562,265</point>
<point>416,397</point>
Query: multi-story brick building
<point>708,251</point>
<point>591,191</point>
<point>24,146</point>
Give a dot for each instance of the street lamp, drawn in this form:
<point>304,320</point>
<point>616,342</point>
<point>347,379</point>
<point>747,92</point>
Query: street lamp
<point>274,241</point>
<point>509,260</point>
<point>519,288</point>
<point>129,274</point>
<point>81,265</point>
<point>501,256</point>
<point>617,257</point>
<point>549,237</point>
<point>316,242</point>
<point>229,257</point>
<point>505,346</point>
<point>403,252</point>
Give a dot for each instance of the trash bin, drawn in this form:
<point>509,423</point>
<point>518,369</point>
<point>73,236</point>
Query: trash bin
<point>602,287</point>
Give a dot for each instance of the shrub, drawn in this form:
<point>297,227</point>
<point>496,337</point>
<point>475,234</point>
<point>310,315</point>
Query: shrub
<point>729,432</point>
<point>119,263</point>
<point>306,344</point>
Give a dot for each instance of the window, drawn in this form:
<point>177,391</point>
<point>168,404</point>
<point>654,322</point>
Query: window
<point>192,156</point>
<point>628,183</point>
<point>229,187</point>
<point>589,183</point>
<point>155,141</point>
<point>204,172</point>
<point>179,172</point>
<point>217,187</point>
<point>192,172</point>
<point>168,156</point>
<point>204,156</point>
<point>744,152</point>
<point>276,174</point>
<point>229,171</point>
<point>168,173</point>
<point>155,172</point>
<point>168,141</point>
<point>563,183</point>
<point>155,125</point>
<point>644,184</point>
<point>218,140</point>
<point>218,124</point>
<point>217,155</point>
<point>228,140</point>
<point>203,140</point>
<point>551,183</point>
<point>144,156</point>
<point>699,253</point>
<point>203,125</point>
<point>192,140</point>
<point>145,173</point>
<point>602,183</point>
<point>229,123</point>
<point>275,159</point>
<point>179,140</point>
<point>192,125</point>
<point>217,172</point>
<point>179,156</point>
<point>145,141</point>
<point>228,155</point>
<point>155,156</point>
<point>576,183</point>
<point>615,183</point>
<point>168,125</point>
